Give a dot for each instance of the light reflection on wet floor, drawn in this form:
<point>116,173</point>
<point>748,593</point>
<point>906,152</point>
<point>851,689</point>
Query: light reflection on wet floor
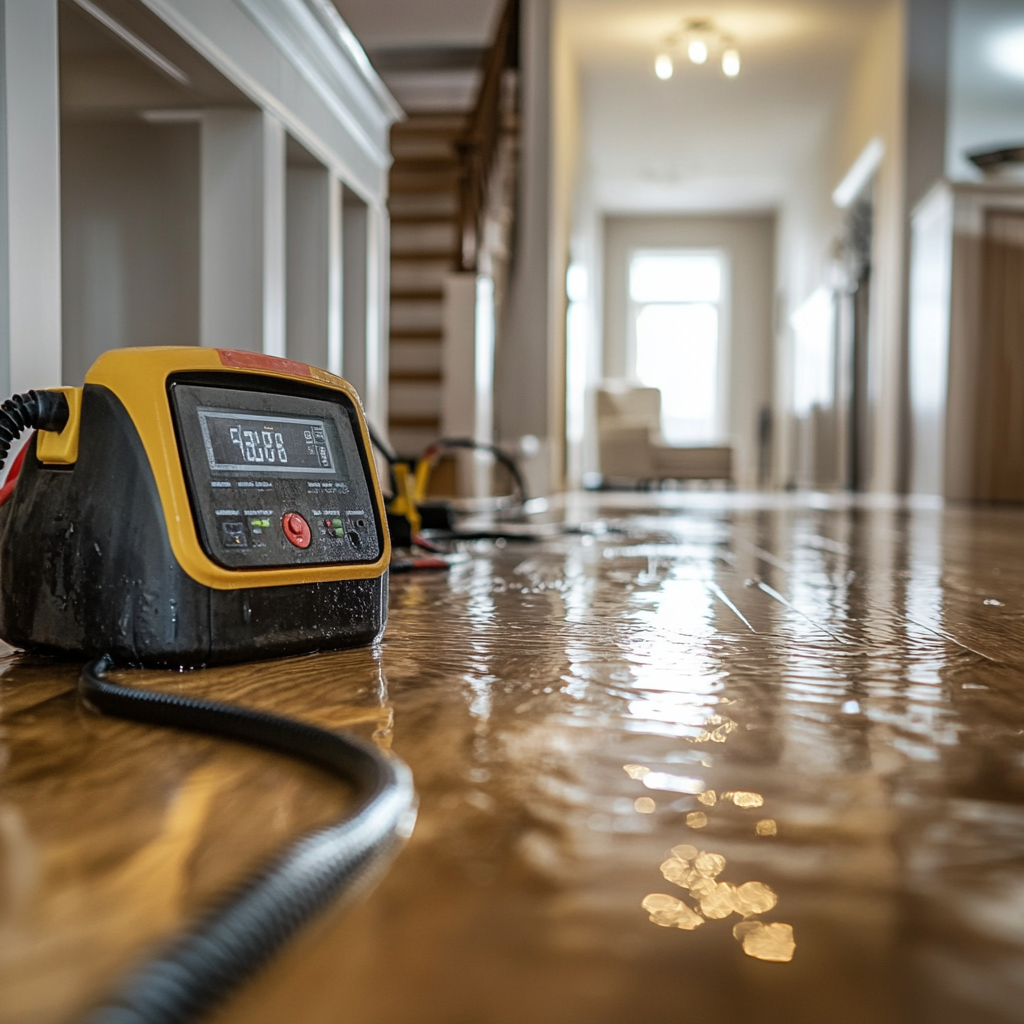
<point>720,759</point>
<point>818,709</point>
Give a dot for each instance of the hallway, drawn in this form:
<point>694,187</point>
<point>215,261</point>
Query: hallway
<point>823,692</point>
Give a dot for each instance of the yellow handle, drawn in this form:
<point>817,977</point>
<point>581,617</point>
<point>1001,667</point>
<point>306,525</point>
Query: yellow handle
<point>61,449</point>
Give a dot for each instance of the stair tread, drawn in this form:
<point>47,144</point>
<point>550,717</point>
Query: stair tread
<point>418,188</point>
<point>441,126</point>
<point>445,219</point>
<point>440,161</point>
<point>414,421</point>
<point>417,293</point>
<point>416,376</point>
<point>413,334</point>
<point>425,254</point>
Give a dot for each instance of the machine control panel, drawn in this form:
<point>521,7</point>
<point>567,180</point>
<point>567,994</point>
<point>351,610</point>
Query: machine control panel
<point>275,480</point>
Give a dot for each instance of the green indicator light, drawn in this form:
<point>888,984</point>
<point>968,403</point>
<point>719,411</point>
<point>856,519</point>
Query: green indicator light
<point>340,531</point>
<point>260,522</point>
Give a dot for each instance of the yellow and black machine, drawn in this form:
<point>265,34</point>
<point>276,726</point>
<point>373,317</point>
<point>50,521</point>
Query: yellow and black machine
<point>190,507</point>
<point>197,506</point>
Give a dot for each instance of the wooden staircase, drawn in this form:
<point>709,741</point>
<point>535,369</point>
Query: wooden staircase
<point>426,185</point>
<point>452,207</point>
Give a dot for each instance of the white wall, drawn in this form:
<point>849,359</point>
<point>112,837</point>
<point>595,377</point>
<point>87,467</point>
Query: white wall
<point>873,106</point>
<point>355,294</point>
<point>747,241</point>
<point>30,299</point>
<point>314,266</point>
<point>929,314</point>
<point>527,390</point>
<point>130,238</point>
<point>808,227</point>
<point>177,233</point>
<point>242,231</point>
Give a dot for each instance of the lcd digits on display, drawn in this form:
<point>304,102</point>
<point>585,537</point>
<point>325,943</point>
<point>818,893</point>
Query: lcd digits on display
<point>274,444</point>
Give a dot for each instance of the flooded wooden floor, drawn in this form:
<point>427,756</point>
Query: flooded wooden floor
<point>713,758</point>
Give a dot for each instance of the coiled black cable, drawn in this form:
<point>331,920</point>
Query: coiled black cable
<point>192,975</point>
<point>35,410</point>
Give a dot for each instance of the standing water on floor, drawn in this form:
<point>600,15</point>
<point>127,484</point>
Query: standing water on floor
<point>709,758</point>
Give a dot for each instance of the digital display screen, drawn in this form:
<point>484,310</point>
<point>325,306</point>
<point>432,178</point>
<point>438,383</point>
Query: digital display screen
<point>271,444</point>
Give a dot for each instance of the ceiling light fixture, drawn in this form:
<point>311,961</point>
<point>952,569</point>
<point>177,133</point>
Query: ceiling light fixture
<point>698,39</point>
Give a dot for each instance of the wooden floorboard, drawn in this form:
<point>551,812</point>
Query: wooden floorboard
<point>684,694</point>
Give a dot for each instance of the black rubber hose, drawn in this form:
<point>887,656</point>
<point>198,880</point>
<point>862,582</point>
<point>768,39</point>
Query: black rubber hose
<point>381,445</point>
<point>36,410</point>
<point>191,976</point>
<point>501,456</point>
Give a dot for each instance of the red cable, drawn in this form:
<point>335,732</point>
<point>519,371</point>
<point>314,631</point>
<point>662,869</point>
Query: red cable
<point>12,477</point>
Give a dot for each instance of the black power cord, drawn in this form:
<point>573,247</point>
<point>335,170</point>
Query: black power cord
<point>35,410</point>
<point>500,455</point>
<point>191,976</point>
<point>381,445</point>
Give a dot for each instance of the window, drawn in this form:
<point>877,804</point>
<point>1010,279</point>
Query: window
<point>676,313</point>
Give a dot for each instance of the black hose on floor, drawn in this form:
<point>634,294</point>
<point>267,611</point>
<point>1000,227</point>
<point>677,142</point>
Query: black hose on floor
<point>198,970</point>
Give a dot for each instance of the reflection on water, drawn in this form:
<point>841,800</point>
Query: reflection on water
<point>698,872</point>
<point>807,701</point>
<point>668,912</point>
<point>766,941</point>
<point>743,799</point>
<point>674,783</point>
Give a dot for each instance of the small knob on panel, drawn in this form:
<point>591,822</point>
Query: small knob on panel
<point>296,529</point>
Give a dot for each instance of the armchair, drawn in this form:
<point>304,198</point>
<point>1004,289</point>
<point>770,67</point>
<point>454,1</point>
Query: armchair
<point>630,445</point>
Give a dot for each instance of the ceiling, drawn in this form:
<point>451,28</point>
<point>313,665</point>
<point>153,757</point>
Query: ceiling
<point>987,83</point>
<point>390,24</point>
<point>132,63</point>
<point>701,141</point>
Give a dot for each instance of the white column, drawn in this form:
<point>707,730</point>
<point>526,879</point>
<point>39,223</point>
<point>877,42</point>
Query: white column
<point>355,229</point>
<point>273,236</point>
<point>335,277</point>
<point>467,389</point>
<point>242,231</point>
<point>314,266</point>
<point>377,307</point>
<point>458,356</point>
<point>30,270</point>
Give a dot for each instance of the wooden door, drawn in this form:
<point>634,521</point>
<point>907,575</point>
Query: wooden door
<point>999,473</point>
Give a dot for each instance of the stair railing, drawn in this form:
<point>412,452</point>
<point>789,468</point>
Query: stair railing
<point>494,119</point>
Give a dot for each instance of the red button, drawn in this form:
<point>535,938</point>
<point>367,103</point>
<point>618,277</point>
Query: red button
<point>296,529</point>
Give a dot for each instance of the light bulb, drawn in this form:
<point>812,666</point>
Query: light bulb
<point>698,51</point>
<point>731,63</point>
<point>663,66</point>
